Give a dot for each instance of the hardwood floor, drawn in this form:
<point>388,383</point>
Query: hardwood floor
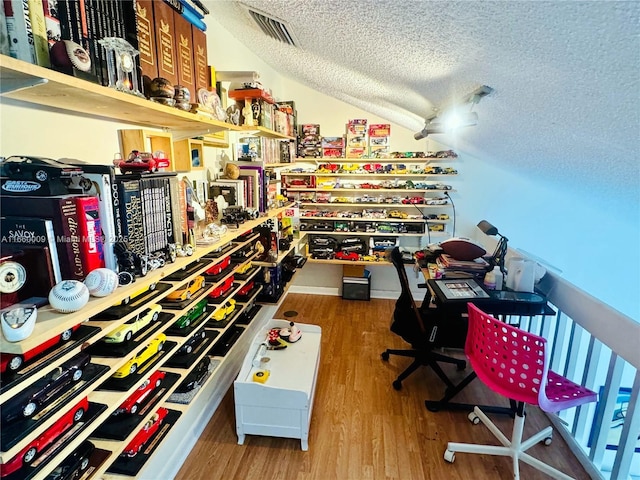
<point>361,428</point>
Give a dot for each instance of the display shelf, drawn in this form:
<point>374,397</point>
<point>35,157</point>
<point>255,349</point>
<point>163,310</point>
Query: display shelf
<point>265,132</point>
<point>370,160</point>
<point>369,204</point>
<point>282,254</point>
<point>374,175</point>
<point>367,234</point>
<point>370,219</point>
<point>30,83</point>
<point>369,190</point>
<point>382,263</point>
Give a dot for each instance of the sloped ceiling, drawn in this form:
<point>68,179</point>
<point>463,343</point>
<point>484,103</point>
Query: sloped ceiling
<point>566,104</point>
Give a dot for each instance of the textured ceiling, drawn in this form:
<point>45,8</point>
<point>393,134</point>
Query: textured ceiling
<point>566,74</point>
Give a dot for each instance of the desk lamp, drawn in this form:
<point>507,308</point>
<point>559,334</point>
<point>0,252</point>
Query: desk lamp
<point>501,248</point>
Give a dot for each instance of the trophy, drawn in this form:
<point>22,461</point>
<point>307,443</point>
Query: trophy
<point>121,65</point>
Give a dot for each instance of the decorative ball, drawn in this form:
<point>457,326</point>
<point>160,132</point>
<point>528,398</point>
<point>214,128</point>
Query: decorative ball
<point>231,171</point>
<point>161,87</point>
<point>66,55</point>
<point>101,282</point>
<point>68,296</point>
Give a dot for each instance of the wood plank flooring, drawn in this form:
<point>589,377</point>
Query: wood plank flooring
<point>361,428</point>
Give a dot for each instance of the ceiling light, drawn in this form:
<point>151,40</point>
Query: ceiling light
<point>454,117</point>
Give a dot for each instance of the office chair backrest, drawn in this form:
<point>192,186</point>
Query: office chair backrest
<point>407,321</point>
<point>510,361</point>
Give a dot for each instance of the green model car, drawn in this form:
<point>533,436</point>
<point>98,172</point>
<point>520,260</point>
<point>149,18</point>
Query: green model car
<point>192,315</point>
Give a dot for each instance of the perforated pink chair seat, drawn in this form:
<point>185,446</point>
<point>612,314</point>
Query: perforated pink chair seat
<point>515,364</point>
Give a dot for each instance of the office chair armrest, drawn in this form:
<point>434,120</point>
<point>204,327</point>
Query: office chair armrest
<point>422,285</point>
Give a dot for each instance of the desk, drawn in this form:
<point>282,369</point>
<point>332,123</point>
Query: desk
<point>452,301</point>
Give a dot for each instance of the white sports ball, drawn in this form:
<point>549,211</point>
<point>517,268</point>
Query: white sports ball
<point>68,296</point>
<point>101,282</point>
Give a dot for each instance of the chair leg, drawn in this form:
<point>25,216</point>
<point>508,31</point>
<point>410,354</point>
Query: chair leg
<point>514,447</point>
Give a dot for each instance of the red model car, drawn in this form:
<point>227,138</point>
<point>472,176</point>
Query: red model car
<point>13,361</point>
<point>29,453</point>
<point>246,288</point>
<point>131,404</point>
<point>413,200</point>
<point>219,267</point>
<point>143,162</point>
<point>143,436</point>
<point>221,289</point>
<point>353,256</point>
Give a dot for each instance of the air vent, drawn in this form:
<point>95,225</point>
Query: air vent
<point>273,27</point>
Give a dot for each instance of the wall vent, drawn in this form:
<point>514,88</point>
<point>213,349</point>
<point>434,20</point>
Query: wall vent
<point>273,27</point>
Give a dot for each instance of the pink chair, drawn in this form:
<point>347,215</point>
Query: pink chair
<point>515,363</point>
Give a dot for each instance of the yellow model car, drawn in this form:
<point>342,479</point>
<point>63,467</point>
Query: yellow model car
<point>186,291</point>
<point>397,214</point>
<point>127,330</point>
<point>227,309</point>
<point>369,258</point>
<point>137,293</point>
<point>144,356</point>
<point>242,269</point>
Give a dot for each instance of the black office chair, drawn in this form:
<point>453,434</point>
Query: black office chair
<point>422,331</point>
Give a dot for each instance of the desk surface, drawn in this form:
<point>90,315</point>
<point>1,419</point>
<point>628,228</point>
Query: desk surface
<point>453,294</point>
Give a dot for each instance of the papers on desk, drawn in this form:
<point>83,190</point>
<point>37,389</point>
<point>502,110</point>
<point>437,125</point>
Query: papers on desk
<point>475,267</point>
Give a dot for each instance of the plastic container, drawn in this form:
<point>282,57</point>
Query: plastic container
<point>490,280</point>
<point>499,277</point>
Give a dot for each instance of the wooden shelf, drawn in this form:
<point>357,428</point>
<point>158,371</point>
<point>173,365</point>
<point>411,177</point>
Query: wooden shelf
<point>382,263</point>
<point>388,205</point>
<point>370,160</point>
<point>41,86</point>
<point>363,219</point>
<point>370,190</point>
<point>265,132</point>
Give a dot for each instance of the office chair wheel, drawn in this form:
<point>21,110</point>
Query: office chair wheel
<point>397,385</point>
<point>547,441</point>
<point>473,418</point>
<point>385,356</point>
<point>449,456</point>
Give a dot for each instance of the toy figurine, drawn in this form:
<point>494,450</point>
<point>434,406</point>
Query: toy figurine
<point>292,334</point>
<point>247,113</point>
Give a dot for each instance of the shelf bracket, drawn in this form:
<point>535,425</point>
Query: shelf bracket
<point>9,85</point>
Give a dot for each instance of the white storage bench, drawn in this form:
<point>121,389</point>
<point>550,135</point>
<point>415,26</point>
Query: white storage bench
<point>282,405</point>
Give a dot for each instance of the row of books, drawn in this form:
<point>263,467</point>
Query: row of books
<point>169,34</point>
<point>67,236</point>
<point>252,189</point>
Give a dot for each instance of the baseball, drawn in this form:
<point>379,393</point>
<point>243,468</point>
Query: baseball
<point>68,296</point>
<point>101,282</point>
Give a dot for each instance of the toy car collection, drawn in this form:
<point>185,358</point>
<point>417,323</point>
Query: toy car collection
<point>45,391</point>
<point>222,289</point>
<point>192,315</point>
<point>127,330</point>
<point>192,342</point>
<point>13,361</point>
<point>186,291</point>
<point>219,267</point>
<point>227,309</point>
<point>195,377</point>
<point>133,402</point>
<point>31,451</point>
<point>144,435</point>
<point>143,162</point>
<point>132,365</point>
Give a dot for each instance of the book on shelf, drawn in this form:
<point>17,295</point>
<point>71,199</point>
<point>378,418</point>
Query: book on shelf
<point>62,210</point>
<point>237,184</point>
<point>228,192</point>
<point>21,44</point>
<point>131,213</point>
<point>201,70</point>
<point>52,21</point>
<point>29,263</point>
<point>165,41</point>
<point>140,33</point>
<point>184,53</point>
<point>174,235</point>
<point>4,35</point>
<point>21,231</point>
<point>90,232</point>
<point>154,212</point>
<point>190,15</point>
<point>39,28</point>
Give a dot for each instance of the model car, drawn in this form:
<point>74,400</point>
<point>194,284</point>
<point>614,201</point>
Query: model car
<point>297,182</point>
<point>195,377</point>
<point>222,289</point>
<point>40,169</point>
<point>227,309</point>
<point>437,201</point>
<point>46,390</point>
<point>246,288</point>
<point>13,361</point>
<point>413,200</point>
<point>322,253</point>
<point>129,262</point>
<point>219,267</point>
<point>353,256</point>
<point>133,402</point>
<point>244,268</point>
<point>137,293</point>
<point>192,315</point>
<point>340,200</point>
<point>143,162</point>
<point>186,291</point>
<point>132,365</point>
<point>144,435</point>
<point>369,258</point>
<point>75,464</point>
<point>397,214</point>
<point>328,168</point>
<point>29,453</point>
<point>192,342</point>
<point>438,227</point>
<point>127,330</point>
<point>323,227</point>
<point>443,216</point>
